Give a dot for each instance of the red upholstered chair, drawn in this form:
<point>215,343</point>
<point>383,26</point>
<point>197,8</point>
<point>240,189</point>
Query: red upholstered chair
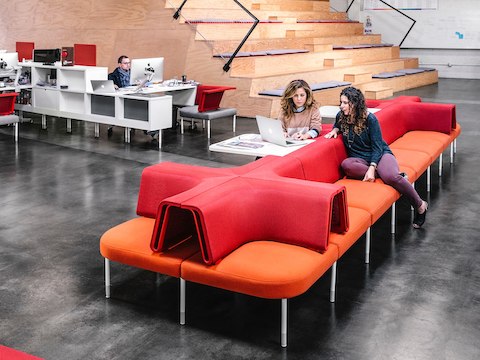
<point>208,106</point>
<point>7,115</point>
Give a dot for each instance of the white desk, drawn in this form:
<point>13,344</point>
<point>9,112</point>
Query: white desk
<point>265,149</point>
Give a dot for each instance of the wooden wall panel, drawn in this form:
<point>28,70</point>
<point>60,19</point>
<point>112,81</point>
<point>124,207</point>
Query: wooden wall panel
<point>137,28</point>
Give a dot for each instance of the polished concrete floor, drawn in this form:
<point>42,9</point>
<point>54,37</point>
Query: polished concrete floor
<point>418,299</point>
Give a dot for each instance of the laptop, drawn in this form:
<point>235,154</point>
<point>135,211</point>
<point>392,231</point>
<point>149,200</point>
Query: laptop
<point>271,131</point>
<point>103,86</point>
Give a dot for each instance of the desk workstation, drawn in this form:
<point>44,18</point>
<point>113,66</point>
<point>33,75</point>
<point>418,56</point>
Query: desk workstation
<point>66,92</point>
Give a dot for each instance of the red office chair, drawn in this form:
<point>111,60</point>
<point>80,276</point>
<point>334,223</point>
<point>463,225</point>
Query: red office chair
<point>7,115</point>
<point>208,106</point>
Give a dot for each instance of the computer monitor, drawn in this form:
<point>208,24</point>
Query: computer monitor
<point>150,69</point>
<point>8,61</point>
<point>46,56</point>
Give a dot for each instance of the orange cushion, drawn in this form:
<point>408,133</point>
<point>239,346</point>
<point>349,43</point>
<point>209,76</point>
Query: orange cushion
<point>430,142</point>
<point>129,243</point>
<point>265,269</point>
<point>375,198</point>
<point>360,221</point>
<point>413,159</point>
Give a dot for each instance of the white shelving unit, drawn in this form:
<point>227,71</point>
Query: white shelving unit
<point>67,92</point>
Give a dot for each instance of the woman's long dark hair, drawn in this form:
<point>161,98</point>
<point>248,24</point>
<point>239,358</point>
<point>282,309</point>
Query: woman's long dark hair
<point>358,113</point>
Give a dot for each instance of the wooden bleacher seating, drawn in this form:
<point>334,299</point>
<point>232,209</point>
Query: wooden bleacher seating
<point>328,46</point>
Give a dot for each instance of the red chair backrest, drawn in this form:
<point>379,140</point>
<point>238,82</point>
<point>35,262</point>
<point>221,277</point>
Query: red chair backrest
<point>7,103</point>
<point>209,96</point>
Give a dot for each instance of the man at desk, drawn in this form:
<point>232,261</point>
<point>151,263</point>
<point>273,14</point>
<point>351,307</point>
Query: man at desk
<point>120,77</point>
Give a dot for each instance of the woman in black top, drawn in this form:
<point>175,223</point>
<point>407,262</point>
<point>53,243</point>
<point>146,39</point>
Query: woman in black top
<point>368,154</point>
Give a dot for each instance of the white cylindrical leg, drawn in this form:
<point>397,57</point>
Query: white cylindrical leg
<point>44,121</point>
<point>455,146</point>
<point>97,130</point>
<point>234,122</point>
<point>208,129</point>
<point>107,278</point>
<point>160,139</point>
<point>440,164</point>
<point>181,125</point>
<point>127,135</point>
<point>411,207</point>
<point>428,178</point>
<point>367,246</point>
<point>393,217</point>
<point>15,129</point>
<point>333,282</point>
<point>69,125</point>
<point>451,152</point>
<point>283,331</point>
<point>182,301</point>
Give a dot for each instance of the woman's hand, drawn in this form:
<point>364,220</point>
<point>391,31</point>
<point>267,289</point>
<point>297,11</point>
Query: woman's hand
<point>331,134</point>
<point>370,174</point>
<point>300,136</point>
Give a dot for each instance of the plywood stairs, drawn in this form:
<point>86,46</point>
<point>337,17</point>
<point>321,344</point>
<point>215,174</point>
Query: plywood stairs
<point>217,27</point>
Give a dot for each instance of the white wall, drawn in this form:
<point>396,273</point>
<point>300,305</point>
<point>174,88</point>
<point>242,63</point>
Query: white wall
<point>433,39</point>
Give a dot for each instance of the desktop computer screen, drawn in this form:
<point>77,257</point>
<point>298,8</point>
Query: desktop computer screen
<point>46,56</point>
<point>8,61</point>
<point>150,69</point>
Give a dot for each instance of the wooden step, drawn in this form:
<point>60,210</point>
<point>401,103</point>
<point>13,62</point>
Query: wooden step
<point>338,62</point>
<point>376,93</point>
<point>358,78</point>
<point>329,29</point>
<point>345,40</point>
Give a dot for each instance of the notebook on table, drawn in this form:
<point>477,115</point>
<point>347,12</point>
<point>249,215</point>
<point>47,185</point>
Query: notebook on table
<point>271,131</point>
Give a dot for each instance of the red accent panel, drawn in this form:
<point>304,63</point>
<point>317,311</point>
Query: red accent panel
<point>24,50</point>
<point>85,54</point>
<point>7,103</point>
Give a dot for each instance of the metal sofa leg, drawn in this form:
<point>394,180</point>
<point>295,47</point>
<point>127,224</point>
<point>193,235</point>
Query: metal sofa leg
<point>208,129</point>
<point>181,125</point>
<point>234,122</point>
<point>428,178</point>
<point>333,282</point>
<point>440,164</point>
<point>15,129</point>
<point>182,301</point>
<point>451,152</point>
<point>283,331</point>
<point>367,246</point>
<point>394,207</point>
<point>107,278</point>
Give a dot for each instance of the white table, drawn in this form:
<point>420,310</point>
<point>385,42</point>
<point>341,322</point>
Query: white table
<point>264,149</point>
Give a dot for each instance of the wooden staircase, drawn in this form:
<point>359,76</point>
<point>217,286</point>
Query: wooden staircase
<point>217,27</point>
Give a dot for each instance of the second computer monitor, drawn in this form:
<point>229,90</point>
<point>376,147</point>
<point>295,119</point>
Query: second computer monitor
<point>151,69</point>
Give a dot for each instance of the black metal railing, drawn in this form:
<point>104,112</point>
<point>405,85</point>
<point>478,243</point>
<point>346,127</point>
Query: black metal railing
<point>393,8</point>
<point>226,67</point>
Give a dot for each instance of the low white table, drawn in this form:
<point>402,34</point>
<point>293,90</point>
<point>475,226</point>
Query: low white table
<point>251,144</point>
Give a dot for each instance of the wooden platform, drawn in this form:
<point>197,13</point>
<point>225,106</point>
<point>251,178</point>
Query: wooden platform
<point>321,63</point>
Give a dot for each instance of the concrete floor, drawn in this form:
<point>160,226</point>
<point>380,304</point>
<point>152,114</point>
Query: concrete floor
<point>418,299</point>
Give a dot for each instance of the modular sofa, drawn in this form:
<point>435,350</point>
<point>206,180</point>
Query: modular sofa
<point>273,227</point>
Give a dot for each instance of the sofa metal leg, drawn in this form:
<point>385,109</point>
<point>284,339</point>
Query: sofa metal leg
<point>15,129</point>
<point>367,246</point>
<point>455,146</point>
<point>107,278</point>
<point>181,125</point>
<point>234,122</point>
<point>394,208</point>
<point>333,282</point>
<point>428,178</point>
<point>208,129</point>
<point>182,301</point>
<point>283,332</point>
<point>411,207</point>
<point>451,152</point>
<point>440,164</point>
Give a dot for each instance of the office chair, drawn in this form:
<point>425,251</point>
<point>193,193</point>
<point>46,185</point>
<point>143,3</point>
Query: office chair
<point>207,106</point>
<point>7,115</point>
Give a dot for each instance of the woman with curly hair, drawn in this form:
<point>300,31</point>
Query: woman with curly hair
<point>368,154</point>
<point>300,114</point>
